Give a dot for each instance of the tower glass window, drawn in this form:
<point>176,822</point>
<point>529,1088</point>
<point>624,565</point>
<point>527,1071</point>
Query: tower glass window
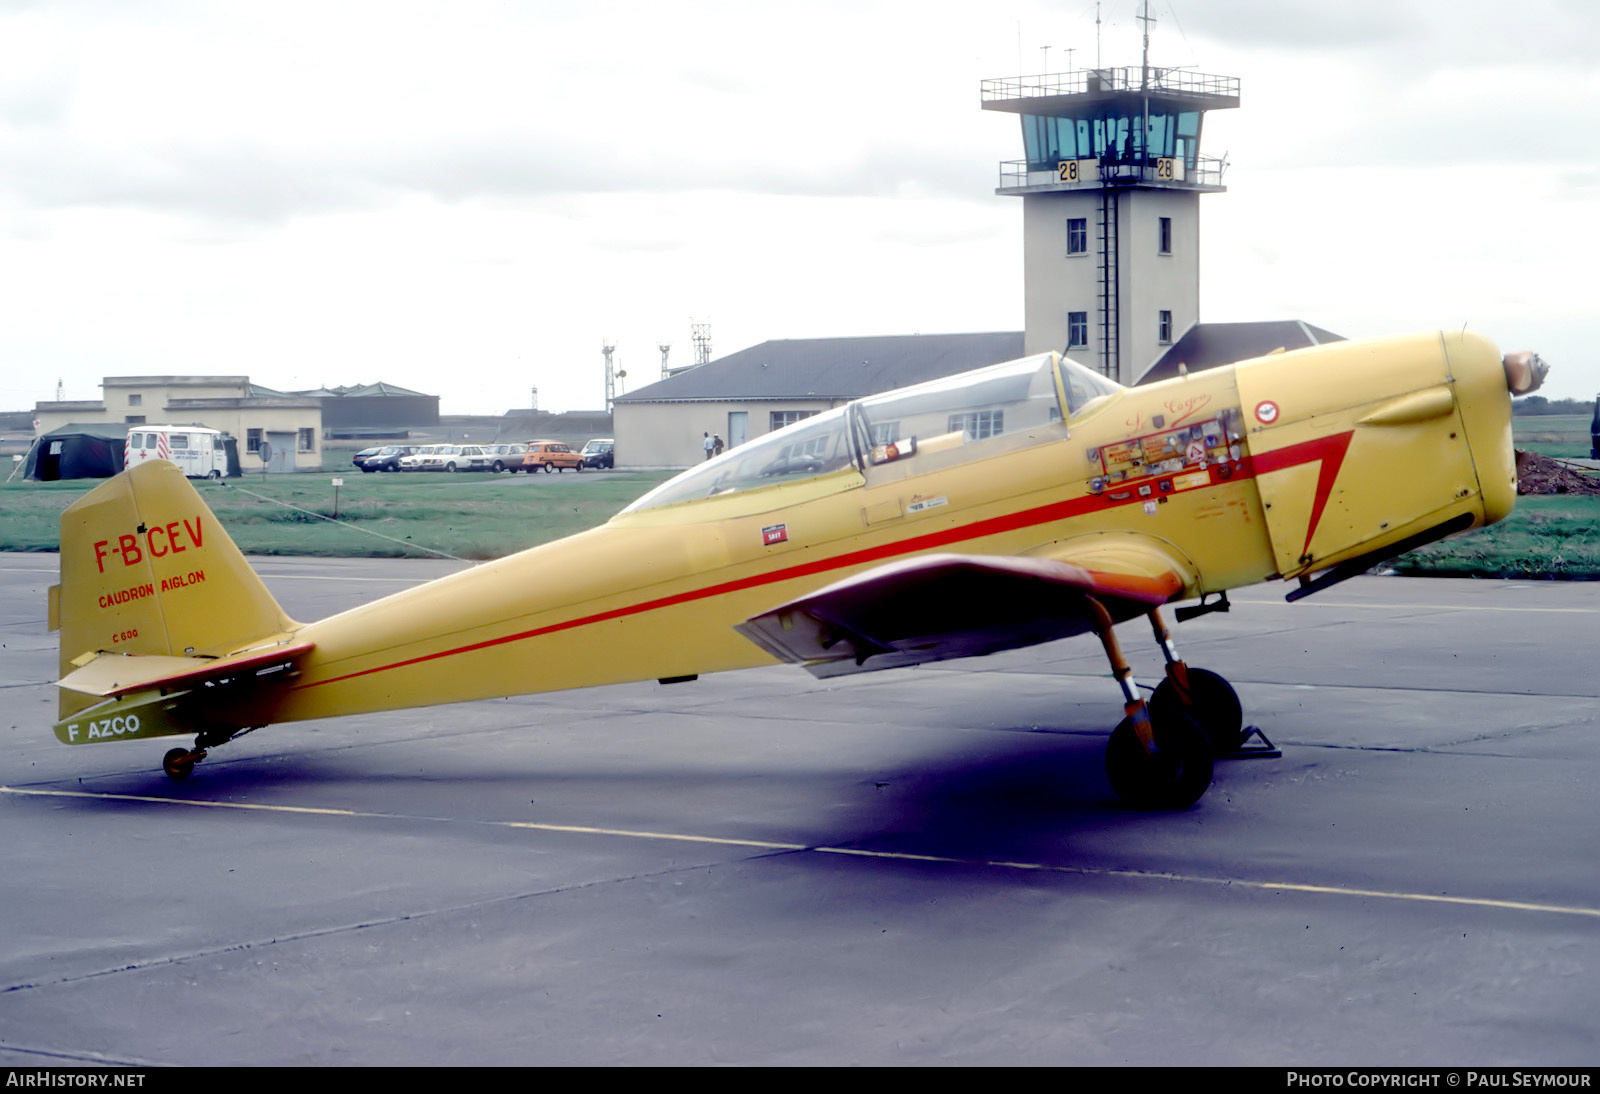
<point>1078,328</point>
<point>1077,235</point>
<point>1114,131</point>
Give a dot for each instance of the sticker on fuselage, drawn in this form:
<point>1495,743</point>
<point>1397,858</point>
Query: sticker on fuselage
<point>920,504</point>
<point>774,533</point>
<point>1195,455</point>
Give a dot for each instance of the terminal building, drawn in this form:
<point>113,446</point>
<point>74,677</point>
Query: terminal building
<point>291,425</point>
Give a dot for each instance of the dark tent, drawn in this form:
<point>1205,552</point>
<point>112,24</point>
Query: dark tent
<point>75,451</point>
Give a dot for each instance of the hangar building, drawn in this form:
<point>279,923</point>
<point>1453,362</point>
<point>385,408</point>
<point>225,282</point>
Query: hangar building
<point>750,393</point>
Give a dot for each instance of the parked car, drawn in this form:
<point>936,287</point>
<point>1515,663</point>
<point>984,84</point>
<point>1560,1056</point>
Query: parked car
<point>500,457</point>
<point>413,462</point>
<point>552,456</point>
<point>599,452</point>
<point>360,458</point>
<point>386,458</point>
<point>443,457</point>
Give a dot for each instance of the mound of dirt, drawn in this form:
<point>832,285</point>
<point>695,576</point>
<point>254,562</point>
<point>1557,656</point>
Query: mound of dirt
<point>1538,474</point>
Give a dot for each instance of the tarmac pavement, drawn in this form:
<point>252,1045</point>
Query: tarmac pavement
<point>921,866</point>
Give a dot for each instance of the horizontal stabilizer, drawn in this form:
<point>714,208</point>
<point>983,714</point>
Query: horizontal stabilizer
<point>938,607</point>
<point>115,674</point>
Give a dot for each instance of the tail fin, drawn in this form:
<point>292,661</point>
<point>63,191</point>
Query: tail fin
<point>147,569</point>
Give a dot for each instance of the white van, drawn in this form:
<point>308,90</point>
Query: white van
<point>201,452</point>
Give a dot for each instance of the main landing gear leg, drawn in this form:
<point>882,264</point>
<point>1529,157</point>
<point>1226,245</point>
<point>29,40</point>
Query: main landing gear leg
<point>1207,699</point>
<point>1155,759</point>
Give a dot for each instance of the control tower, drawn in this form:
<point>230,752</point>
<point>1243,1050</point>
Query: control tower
<point>1110,195</point>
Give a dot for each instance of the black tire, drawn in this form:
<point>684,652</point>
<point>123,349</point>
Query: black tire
<point>177,765</point>
<point>1216,709</point>
<point>450,468</point>
<point>498,467</point>
<point>1175,778</point>
<point>547,469</point>
<point>579,469</point>
<point>214,475</point>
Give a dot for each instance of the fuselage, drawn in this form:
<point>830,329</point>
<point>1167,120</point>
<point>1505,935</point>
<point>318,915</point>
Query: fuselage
<point>1275,467</point>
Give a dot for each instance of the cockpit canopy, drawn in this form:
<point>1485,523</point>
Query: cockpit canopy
<point>964,410</point>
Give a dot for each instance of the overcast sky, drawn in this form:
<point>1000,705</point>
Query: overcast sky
<point>469,198</point>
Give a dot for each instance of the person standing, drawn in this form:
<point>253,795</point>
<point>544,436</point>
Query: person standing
<point>716,444</point>
<point>709,445</point>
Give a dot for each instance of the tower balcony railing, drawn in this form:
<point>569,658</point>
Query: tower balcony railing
<point>1206,173</point>
<point>1130,78</point>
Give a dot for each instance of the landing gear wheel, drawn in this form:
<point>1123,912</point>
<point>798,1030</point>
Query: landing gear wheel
<point>1174,778</point>
<point>178,764</point>
<point>1216,708</point>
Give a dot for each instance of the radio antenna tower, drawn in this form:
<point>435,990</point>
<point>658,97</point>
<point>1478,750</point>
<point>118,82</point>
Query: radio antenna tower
<point>665,348</point>
<point>611,377</point>
<point>701,335</point>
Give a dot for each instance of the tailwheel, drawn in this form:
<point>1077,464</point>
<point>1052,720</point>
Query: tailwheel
<point>179,762</point>
<point>1174,777</point>
<point>1214,705</point>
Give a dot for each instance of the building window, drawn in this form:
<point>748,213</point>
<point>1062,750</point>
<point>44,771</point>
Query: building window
<point>1077,329</point>
<point>781,418</point>
<point>979,424</point>
<point>1077,235</point>
<point>1164,236</point>
<point>136,399</point>
<point>308,440</point>
<point>1164,327</point>
<point>252,440</point>
<point>134,419</point>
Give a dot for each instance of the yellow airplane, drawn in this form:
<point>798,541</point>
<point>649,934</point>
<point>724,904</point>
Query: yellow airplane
<point>1012,505</point>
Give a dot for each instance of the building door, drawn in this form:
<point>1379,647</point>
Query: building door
<point>738,427</point>
<point>282,461</point>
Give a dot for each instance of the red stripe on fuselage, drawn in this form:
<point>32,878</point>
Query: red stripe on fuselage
<point>1010,522</point>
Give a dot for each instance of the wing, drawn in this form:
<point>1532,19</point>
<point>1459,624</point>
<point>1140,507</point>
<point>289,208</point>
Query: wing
<point>937,607</point>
